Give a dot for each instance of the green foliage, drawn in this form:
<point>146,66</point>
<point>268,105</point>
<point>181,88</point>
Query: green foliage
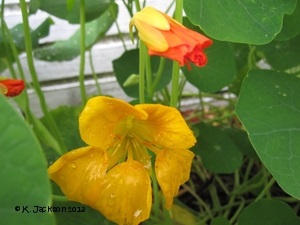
<point>24,180</point>
<point>271,116</point>
<point>268,211</point>
<point>66,118</point>
<point>17,34</point>
<point>217,150</point>
<point>248,136</point>
<point>128,64</point>
<point>253,22</point>
<point>219,72</point>
<point>77,213</point>
<point>70,48</point>
<point>69,10</point>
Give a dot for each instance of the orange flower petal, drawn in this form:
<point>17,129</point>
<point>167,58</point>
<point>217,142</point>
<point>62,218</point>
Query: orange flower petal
<point>166,127</point>
<point>100,118</point>
<point>79,173</point>
<point>125,194</point>
<point>172,169</point>
<point>177,42</point>
<point>11,87</point>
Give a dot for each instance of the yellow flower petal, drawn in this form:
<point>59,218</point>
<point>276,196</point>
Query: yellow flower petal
<point>149,22</point>
<point>125,194</point>
<point>152,17</point>
<point>151,37</point>
<point>3,89</point>
<point>166,127</point>
<point>172,169</point>
<point>100,117</point>
<point>79,173</point>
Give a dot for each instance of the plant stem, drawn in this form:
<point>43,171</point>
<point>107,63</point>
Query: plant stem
<point>143,51</point>
<point>149,76</point>
<point>137,5</point>
<point>266,189</point>
<point>94,73</point>
<point>34,76</point>
<point>121,36</point>
<point>59,198</point>
<point>156,200</point>
<point>159,73</point>
<point>176,67</point>
<point>82,52</point>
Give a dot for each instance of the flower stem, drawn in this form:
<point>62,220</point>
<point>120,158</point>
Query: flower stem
<point>176,67</point>
<point>143,52</point>
<point>94,73</point>
<point>137,5</point>
<point>175,85</point>
<point>34,76</point>
<point>266,189</point>
<point>82,52</point>
<point>149,76</point>
<point>159,73</point>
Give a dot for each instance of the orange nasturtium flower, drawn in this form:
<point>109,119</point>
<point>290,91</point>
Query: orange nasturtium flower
<point>11,87</point>
<point>165,37</point>
<point>112,174</point>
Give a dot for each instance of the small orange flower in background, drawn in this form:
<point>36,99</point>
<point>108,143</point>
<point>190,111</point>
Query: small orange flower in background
<point>165,37</point>
<point>11,87</point>
<point>113,173</point>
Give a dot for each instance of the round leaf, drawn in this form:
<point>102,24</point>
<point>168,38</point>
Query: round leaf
<point>219,221</point>
<point>23,172</point>
<point>268,211</point>
<point>242,21</point>
<point>290,27</point>
<point>269,108</point>
<point>218,152</point>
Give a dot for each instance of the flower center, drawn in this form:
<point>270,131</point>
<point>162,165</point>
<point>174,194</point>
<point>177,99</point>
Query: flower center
<point>128,145</point>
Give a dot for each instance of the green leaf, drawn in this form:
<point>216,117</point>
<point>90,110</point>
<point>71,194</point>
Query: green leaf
<point>290,27</point>
<point>269,108</point>
<point>69,10</point>
<point>282,55</point>
<point>75,213</point>
<point>242,21</point>
<point>219,221</point>
<point>23,172</point>
<point>241,140</point>
<point>17,33</point>
<point>67,120</point>
<point>70,4</point>
<point>69,49</point>
<point>268,211</point>
<point>218,152</point>
<point>133,79</point>
<point>128,64</point>
<point>219,71</point>
<point>241,53</point>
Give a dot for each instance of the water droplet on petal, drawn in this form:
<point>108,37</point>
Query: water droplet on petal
<point>73,165</point>
<point>137,213</point>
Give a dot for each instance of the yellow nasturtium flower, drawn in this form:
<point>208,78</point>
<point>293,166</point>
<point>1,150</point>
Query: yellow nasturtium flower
<point>112,174</point>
